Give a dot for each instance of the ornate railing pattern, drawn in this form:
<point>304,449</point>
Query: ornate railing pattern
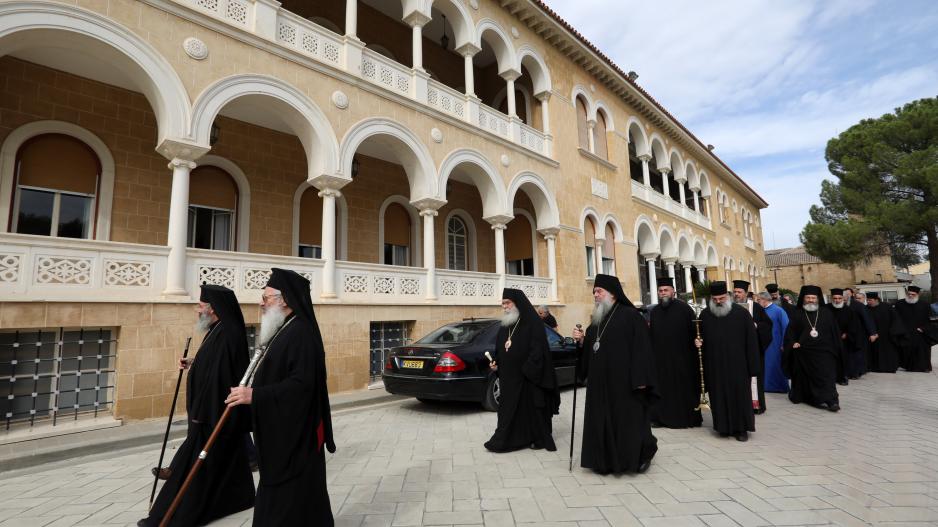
<point>309,38</point>
<point>446,99</point>
<point>385,72</point>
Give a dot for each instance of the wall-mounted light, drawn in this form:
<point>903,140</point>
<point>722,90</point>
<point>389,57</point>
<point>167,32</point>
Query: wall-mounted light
<point>356,164</point>
<point>444,40</point>
<point>213,134</point>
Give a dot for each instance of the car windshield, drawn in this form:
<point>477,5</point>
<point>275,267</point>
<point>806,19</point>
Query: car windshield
<point>459,333</point>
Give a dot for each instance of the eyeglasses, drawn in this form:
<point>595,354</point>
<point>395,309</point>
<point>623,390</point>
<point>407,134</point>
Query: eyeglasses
<point>267,298</point>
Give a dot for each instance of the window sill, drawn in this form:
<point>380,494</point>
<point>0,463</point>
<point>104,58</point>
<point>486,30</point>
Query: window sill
<point>593,157</point>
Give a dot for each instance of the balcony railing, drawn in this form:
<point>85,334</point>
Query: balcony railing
<point>750,244</point>
<point>655,198</point>
<point>269,21</point>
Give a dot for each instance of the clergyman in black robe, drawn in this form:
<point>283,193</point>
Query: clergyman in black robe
<point>884,351</point>
<point>224,484</point>
<point>526,377</point>
<point>916,354</point>
<point>851,331</point>
<point>763,334</point>
<point>857,363</point>
<point>618,364</point>
<point>812,351</point>
<point>676,360</point>
<point>731,360</point>
<point>290,408</point>
<point>777,299</point>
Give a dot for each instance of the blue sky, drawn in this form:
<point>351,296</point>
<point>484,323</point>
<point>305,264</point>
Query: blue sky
<point>768,83</point>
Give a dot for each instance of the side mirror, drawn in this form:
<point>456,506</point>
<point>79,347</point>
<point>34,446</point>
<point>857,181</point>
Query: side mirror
<point>569,341</point>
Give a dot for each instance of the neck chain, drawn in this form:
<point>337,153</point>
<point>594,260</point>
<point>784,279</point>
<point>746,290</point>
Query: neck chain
<point>510,333</point>
<point>814,332</point>
<point>264,348</point>
<point>602,332</point>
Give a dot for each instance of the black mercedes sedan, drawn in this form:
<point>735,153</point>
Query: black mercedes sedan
<point>449,364</point>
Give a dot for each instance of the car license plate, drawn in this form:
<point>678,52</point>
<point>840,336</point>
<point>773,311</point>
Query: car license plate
<point>415,364</point>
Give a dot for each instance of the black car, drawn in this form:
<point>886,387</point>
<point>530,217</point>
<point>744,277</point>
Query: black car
<point>449,364</point>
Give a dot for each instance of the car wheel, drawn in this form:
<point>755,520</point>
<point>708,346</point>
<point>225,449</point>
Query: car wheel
<point>492,395</point>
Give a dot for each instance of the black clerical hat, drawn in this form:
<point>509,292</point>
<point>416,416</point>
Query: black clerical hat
<point>837,292</point>
<point>611,284</point>
<point>525,309</point>
<point>913,289</point>
<point>666,281</point>
<point>295,291</point>
<point>771,288</point>
<point>810,290</point>
<point>741,284</point>
<point>872,294</point>
<point>717,288</point>
<point>226,306</point>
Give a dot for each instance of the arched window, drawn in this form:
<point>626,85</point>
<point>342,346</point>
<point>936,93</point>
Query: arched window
<point>609,252</point>
<point>635,164</point>
<point>213,205</point>
<point>599,136</point>
<point>582,127</point>
<point>589,231</point>
<point>457,242</point>
<point>310,235</point>
<point>519,252</point>
<point>397,241</point>
<point>56,185</point>
<point>655,176</point>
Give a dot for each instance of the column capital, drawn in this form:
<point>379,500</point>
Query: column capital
<point>543,96</point>
<point>499,222</point>
<point>468,49</point>
<point>669,261</point>
<point>644,158</point>
<point>416,19</point>
<point>426,205</point>
<point>182,149</point>
<point>649,256</point>
<point>510,75</point>
<point>329,181</point>
<point>664,170</point>
<point>549,233</point>
<point>178,162</point>
<point>330,193</point>
<point>591,123</point>
<point>687,264</point>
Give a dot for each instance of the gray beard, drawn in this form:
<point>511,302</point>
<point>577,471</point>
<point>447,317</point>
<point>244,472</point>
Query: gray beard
<point>664,301</point>
<point>837,305</point>
<point>810,307</point>
<point>911,300</point>
<point>204,322</point>
<point>718,310</point>
<point>600,311</point>
<point>510,317</point>
<point>271,321</point>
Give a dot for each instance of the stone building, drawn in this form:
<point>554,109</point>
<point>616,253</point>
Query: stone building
<point>410,157</point>
<point>793,267</point>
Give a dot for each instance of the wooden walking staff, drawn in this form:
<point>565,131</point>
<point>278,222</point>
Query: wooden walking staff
<point>169,422</point>
<point>704,401</point>
<point>573,419</point>
<point>245,381</point>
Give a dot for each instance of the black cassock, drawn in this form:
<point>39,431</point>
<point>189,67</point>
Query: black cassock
<point>916,354</point>
<point>857,362</point>
<point>290,410</point>
<point>617,428</point>
<point>812,367</point>
<point>849,324</point>
<point>528,386</point>
<point>731,359</point>
<point>764,337</point>
<point>224,484</point>
<point>677,364</point>
<point>884,353</point>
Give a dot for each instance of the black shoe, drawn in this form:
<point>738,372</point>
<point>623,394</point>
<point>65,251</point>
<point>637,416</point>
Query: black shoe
<point>759,411</point>
<point>644,467</point>
<point>655,424</point>
<point>161,473</point>
<point>843,383</point>
<point>143,523</point>
<point>824,406</point>
<point>742,437</point>
<point>833,408</point>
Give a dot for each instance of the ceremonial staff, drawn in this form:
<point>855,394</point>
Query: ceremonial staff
<point>698,308</point>
<point>169,422</point>
<point>573,420</point>
<point>245,381</point>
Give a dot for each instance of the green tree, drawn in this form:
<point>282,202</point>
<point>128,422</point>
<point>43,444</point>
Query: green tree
<point>886,193</point>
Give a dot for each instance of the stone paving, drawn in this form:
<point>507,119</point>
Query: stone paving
<point>403,464</point>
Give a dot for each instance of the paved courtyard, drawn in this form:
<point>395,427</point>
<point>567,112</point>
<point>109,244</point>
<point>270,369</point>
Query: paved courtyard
<point>875,462</point>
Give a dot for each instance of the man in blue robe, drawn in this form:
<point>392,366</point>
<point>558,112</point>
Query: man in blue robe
<point>775,380</point>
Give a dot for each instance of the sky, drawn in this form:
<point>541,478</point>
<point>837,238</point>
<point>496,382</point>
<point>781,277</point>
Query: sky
<point>768,83</point>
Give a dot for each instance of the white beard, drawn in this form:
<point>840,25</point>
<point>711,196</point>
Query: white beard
<point>911,300</point>
<point>510,317</point>
<point>811,308</point>
<point>664,301</point>
<point>838,305</point>
<point>271,321</point>
<point>719,311</point>
<point>600,311</point>
<point>204,322</point>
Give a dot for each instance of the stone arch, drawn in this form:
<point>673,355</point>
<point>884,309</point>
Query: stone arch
<point>483,175</point>
<point>700,254</point>
<point>712,258</point>
<point>531,221</point>
<point>610,219</point>
<point>242,244</point>
<point>693,179</point>
<point>415,229</point>
<point>26,25</point>
<point>341,207</point>
<point>660,153</point>
<point>583,92</point>
<point>667,242</point>
<point>685,251</point>
<point>677,165</point>
<point>637,131</point>
<point>472,254</point>
<point>395,141</point>
<point>705,190</point>
<point>537,68</point>
<point>459,19</point>
<point>18,137</point>
<point>600,107</point>
<point>296,110</point>
<point>645,236</point>
<point>545,204</point>
<point>527,100</point>
<point>501,44</point>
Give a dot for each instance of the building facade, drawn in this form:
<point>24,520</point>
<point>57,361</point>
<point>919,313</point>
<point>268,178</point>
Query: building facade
<point>793,267</point>
<point>411,157</point>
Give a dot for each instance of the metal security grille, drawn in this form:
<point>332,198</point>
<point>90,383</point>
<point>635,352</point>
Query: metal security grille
<point>55,374</point>
<point>384,336</point>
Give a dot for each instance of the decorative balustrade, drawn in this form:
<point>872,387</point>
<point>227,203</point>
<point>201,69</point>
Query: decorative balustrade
<point>494,121</point>
<point>236,12</point>
<point>446,100</point>
<point>533,139</point>
<point>41,268</point>
<point>463,287</point>
<point>750,244</point>
<point>385,72</point>
<point>309,38</point>
<point>535,288</point>
<point>245,274</point>
<point>653,197</point>
<point>374,283</point>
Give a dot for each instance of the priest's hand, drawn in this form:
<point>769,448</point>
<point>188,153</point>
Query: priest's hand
<point>185,363</point>
<point>796,345</point>
<point>873,338</point>
<point>843,336</point>
<point>578,335</point>
<point>698,343</point>
<point>239,395</point>
<point>493,366</point>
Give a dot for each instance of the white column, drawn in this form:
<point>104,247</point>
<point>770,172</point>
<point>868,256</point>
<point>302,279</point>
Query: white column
<point>429,252</point>
<point>591,135</point>
<point>178,227</point>
<point>599,255</point>
<point>671,272</point>
<point>544,97</point>
<point>646,177</point>
<point>328,241</point>
<point>351,18</point>
<point>499,229</point>
<point>652,279</point>
<point>510,93</point>
<point>551,238</point>
<point>697,200</point>
<point>470,74</point>
<point>417,45</point>
<point>664,182</point>
<point>680,187</point>
<point>688,283</point>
